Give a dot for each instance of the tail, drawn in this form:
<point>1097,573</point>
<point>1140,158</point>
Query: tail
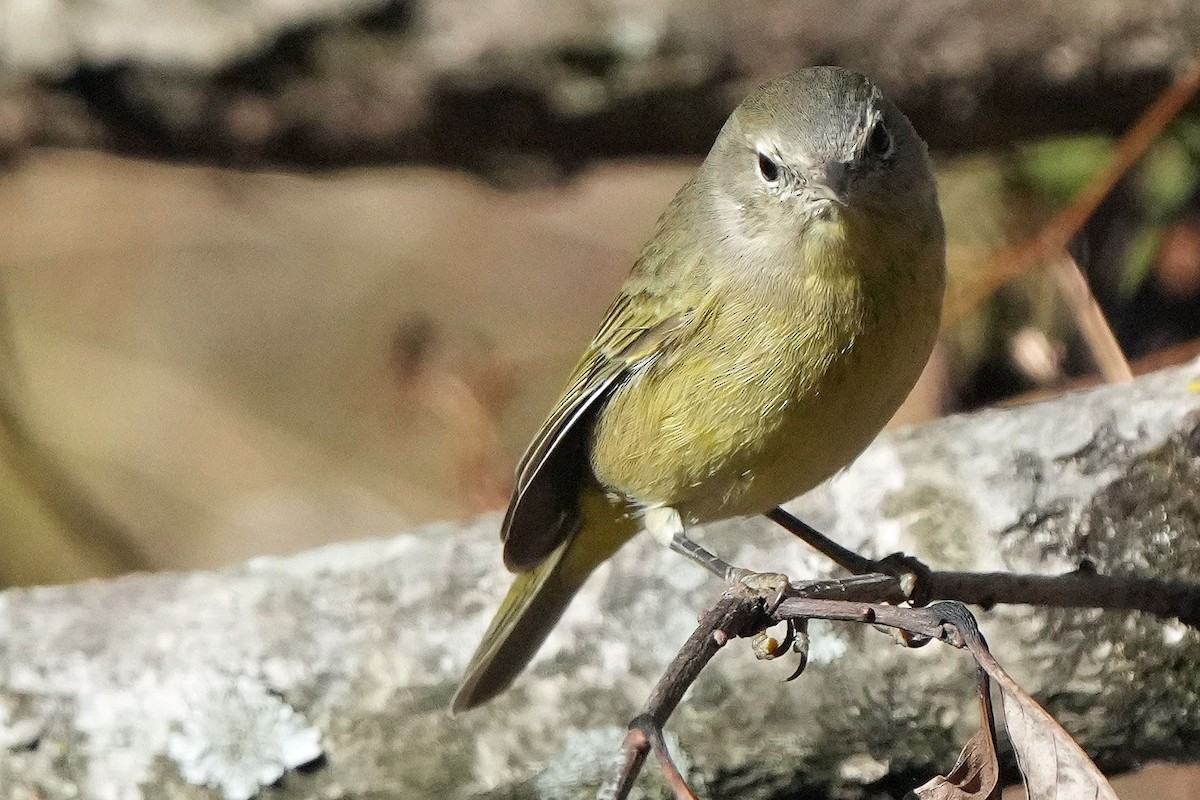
<point>538,598</point>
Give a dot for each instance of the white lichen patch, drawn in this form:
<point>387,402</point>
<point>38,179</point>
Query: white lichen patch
<point>224,731</point>
<point>124,727</point>
<point>237,737</point>
<point>1173,633</point>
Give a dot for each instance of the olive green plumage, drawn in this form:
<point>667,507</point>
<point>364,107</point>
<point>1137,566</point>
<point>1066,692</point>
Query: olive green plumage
<point>784,307</point>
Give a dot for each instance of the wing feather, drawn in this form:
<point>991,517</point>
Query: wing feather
<point>544,511</point>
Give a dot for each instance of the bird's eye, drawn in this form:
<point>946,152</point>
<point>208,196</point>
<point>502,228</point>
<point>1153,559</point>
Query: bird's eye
<point>880,144</point>
<point>767,168</point>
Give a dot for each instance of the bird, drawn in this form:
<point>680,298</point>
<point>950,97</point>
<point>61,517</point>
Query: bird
<point>784,307</point>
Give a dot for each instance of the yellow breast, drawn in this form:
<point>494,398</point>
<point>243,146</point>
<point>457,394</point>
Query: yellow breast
<point>777,389</point>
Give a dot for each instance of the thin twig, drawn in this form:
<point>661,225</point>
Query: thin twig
<point>1018,259</point>
<point>733,615</point>
<point>875,598</point>
<point>1079,589</point>
<point>740,613</point>
<point>658,746</point>
<point>1097,333</point>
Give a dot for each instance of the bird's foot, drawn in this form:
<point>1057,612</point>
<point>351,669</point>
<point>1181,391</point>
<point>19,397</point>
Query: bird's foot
<point>912,574</point>
<point>773,586</point>
<point>767,647</point>
<point>914,583</point>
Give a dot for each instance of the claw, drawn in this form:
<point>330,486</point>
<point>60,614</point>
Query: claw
<point>789,638</point>
<point>800,646</point>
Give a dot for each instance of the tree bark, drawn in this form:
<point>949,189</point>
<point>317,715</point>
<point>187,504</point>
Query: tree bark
<point>523,90</point>
<point>330,672</point>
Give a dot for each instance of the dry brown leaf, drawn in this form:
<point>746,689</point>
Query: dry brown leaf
<point>1053,764</point>
<point>977,772</point>
<point>974,777</point>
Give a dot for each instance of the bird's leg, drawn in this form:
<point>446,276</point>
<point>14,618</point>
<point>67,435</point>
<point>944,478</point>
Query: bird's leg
<point>666,527</point>
<point>912,573</point>
<point>848,560</point>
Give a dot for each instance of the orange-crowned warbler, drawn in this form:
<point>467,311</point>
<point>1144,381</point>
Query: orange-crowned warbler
<point>784,307</point>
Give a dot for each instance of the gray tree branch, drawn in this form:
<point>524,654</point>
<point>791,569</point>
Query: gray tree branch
<point>330,671</point>
<point>519,89</point>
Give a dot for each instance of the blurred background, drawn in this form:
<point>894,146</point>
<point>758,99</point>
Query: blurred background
<point>282,273</point>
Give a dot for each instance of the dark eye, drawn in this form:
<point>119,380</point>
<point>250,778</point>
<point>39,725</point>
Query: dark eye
<point>880,143</point>
<point>767,168</point>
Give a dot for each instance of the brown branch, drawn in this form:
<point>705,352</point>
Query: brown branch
<point>645,734</point>
<point>1083,588</point>
<point>732,614</point>
<point>1127,153</point>
<point>1079,589</point>
<point>741,613</point>
<point>1052,240</point>
<point>847,559</point>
